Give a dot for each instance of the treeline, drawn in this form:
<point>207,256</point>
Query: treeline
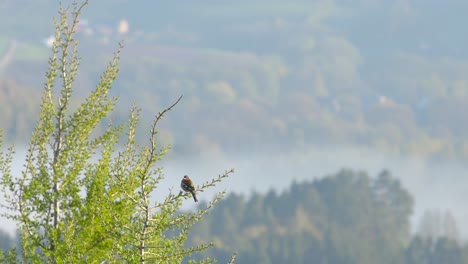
<point>349,217</point>
<point>344,218</point>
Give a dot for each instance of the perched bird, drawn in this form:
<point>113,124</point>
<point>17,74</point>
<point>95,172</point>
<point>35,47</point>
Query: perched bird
<point>187,185</point>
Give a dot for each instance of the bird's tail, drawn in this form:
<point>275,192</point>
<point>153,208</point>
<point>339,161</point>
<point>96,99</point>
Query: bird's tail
<point>194,196</point>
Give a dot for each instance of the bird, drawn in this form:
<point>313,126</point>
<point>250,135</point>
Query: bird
<point>187,185</point>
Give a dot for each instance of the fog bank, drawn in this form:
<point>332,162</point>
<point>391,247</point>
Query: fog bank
<point>434,185</point>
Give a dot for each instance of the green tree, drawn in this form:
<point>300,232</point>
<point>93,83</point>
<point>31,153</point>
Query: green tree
<point>418,251</point>
<point>81,196</point>
<point>447,251</point>
<point>348,217</point>
<point>423,250</point>
<point>5,240</point>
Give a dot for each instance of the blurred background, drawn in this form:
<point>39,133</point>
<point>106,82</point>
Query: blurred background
<point>346,121</point>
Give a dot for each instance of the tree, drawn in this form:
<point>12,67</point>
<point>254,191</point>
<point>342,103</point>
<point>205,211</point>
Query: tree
<point>447,251</point>
<point>437,224</point>
<point>81,196</point>
<point>341,218</point>
<point>418,251</point>
<point>6,241</point>
<point>434,250</point>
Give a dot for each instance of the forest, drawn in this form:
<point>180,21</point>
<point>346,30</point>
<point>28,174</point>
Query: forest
<point>346,217</point>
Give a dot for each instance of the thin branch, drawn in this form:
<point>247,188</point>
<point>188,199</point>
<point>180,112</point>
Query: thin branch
<point>151,158</point>
<point>161,114</point>
<point>203,187</point>
<point>153,132</point>
<point>200,214</point>
<point>182,253</point>
<point>233,258</point>
<point>11,208</point>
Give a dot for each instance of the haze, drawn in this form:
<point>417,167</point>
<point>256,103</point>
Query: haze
<point>280,92</point>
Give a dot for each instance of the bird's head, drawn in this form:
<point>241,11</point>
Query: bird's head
<point>186,177</point>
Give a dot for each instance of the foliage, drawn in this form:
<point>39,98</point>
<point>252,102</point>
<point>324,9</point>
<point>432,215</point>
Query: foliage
<point>347,217</point>
<point>81,197</point>
<point>432,251</point>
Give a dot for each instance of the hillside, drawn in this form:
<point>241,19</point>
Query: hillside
<point>380,74</point>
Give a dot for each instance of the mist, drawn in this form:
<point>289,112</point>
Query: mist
<point>433,185</point>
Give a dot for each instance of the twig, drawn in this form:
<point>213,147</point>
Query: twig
<point>233,258</point>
